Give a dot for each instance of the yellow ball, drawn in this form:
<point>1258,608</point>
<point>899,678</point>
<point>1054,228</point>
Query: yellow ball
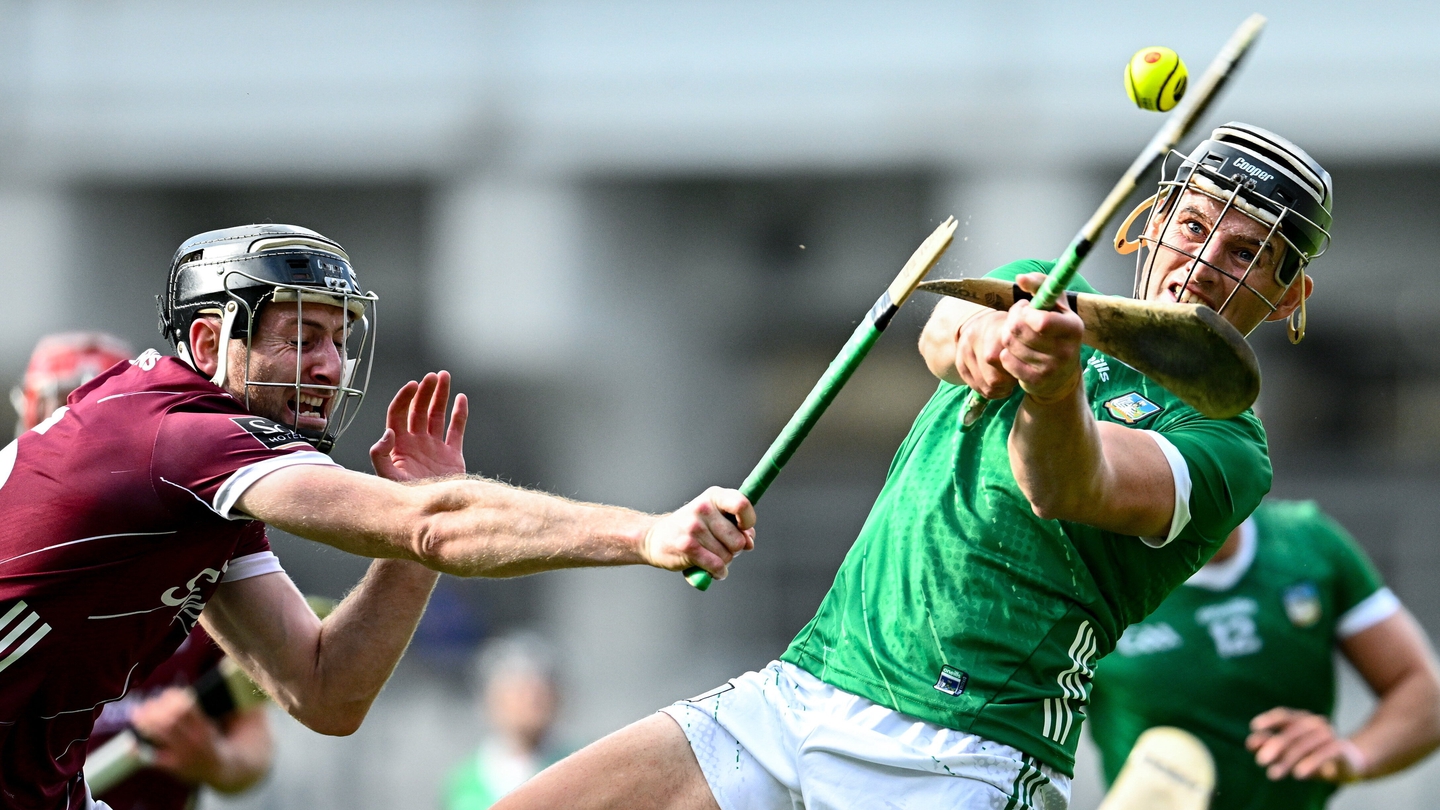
<point>1155,79</point>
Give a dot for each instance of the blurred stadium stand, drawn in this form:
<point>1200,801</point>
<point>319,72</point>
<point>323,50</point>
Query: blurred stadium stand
<point>637,232</point>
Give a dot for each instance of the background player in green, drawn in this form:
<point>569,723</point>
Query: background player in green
<point>1249,643</point>
<point>518,697</point>
<point>950,663</point>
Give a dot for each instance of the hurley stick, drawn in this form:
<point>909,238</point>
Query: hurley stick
<point>1168,769</point>
<point>1174,128</point>
<point>1190,350</point>
<point>839,372</point>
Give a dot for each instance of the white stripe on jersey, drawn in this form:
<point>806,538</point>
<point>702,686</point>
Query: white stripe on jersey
<point>27,619</point>
<point>1059,717</point>
<point>85,540</point>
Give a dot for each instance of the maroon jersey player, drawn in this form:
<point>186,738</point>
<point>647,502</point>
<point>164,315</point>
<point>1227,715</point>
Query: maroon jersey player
<point>139,509</point>
<point>228,754</point>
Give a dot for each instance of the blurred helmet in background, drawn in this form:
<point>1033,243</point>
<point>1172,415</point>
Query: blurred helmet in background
<point>61,363</point>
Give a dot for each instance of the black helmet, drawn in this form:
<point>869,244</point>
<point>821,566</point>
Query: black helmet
<point>1275,176</point>
<point>232,273</point>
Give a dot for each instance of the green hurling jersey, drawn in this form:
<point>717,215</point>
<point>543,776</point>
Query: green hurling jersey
<point>959,606</point>
<point>1211,658</point>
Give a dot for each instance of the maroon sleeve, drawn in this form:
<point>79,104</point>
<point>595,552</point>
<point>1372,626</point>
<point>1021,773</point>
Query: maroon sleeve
<point>210,458</point>
<point>252,541</point>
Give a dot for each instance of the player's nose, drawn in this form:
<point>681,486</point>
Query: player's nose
<point>324,364</point>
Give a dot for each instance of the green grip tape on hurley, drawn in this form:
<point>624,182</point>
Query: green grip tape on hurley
<point>698,577</point>
<point>785,445</point>
<point>1050,291</point>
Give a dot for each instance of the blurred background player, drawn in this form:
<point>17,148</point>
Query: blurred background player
<point>61,363</point>
<point>1242,656</point>
<point>191,749</point>
<point>517,697</point>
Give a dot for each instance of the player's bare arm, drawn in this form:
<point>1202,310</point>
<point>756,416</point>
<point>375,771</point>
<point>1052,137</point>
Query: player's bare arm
<point>940,341</point>
<point>1070,465</point>
<point>467,527</point>
<point>1397,662</point>
<point>477,527</point>
<point>327,674</point>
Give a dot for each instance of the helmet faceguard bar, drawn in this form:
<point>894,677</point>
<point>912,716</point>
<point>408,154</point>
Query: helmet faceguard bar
<point>357,346</point>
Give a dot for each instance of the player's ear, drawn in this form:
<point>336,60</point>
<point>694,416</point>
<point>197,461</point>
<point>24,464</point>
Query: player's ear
<point>1290,301</point>
<point>204,344</point>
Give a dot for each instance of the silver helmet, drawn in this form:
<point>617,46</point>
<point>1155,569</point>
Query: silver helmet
<point>234,272</point>
<point>1248,172</point>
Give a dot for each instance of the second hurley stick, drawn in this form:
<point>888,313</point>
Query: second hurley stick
<point>839,372</point>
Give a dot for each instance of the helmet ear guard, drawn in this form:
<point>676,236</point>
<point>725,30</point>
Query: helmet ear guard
<point>1123,246</point>
<point>227,328</point>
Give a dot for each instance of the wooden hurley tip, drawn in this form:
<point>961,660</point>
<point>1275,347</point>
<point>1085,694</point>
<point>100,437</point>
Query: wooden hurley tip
<point>922,260</point>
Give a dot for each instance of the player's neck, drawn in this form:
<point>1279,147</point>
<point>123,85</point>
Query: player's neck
<point>1228,550</point>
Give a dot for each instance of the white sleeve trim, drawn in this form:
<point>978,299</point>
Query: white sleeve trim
<point>252,565</point>
<point>242,479</point>
<point>1373,609</point>
<point>1180,472</point>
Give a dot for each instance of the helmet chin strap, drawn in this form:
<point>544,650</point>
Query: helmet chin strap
<point>222,365</point>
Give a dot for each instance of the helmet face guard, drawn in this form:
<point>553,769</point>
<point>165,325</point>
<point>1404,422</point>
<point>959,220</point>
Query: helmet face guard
<point>1247,173</point>
<point>357,350</point>
<point>259,266</point>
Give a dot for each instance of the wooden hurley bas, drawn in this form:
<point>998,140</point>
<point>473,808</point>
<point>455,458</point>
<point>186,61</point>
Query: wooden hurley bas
<point>1187,348</point>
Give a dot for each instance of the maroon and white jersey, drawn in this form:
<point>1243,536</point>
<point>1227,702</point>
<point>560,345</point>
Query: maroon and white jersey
<point>120,522</point>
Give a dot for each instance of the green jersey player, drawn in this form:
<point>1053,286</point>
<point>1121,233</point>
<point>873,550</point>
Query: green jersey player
<point>950,664</point>
<point>1243,657</point>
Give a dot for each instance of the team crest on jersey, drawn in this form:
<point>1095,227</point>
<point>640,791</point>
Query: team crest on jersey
<point>1302,604</point>
<point>952,681</point>
<point>271,434</point>
<point>1131,408</point>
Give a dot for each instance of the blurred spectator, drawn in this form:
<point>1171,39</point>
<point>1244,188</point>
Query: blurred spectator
<point>191,749</point>
<point>518,696</point>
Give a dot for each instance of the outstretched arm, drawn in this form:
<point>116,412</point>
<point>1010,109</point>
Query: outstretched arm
<point>477,527</point>
<point>327,674</point>
<point>1395,658</point>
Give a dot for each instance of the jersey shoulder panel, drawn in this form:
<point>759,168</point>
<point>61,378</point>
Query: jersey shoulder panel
<point>202,435</point>
<point>1009,272</point>
<point>1228,459</point>
<point>1315,541</point>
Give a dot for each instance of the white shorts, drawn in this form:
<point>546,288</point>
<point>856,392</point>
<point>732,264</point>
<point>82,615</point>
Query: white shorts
<point>781,738</point>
